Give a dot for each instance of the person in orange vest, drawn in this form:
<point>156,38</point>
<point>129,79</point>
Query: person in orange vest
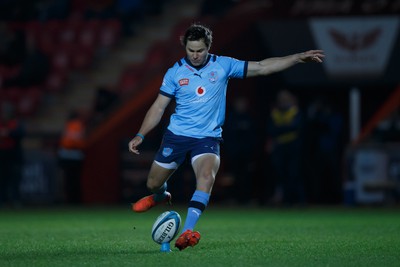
<point>71,156</point>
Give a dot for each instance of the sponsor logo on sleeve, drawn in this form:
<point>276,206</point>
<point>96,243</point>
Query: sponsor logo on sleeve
<point>183,82</point>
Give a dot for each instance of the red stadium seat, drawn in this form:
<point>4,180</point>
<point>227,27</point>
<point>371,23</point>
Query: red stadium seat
<point>29,101</point>
<point>7,72</point>
<point>68,34</point>
<point>60,59</point>
<point>32,31</point>
<point>53,27</point>
<point>127,83</point>
<point>159,54</point>
<point>81,57</point>
<point>12,94</point>
<point>55,82</point>
<point>46,37</point>
<point>110,32</point>
<point>130,78</point>
<point>89,34</point>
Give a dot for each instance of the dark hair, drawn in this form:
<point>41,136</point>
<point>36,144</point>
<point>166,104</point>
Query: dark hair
<point>198,32</point>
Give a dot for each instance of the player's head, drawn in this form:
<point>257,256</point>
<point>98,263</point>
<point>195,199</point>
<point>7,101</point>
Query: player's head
<point>197,42</point>
<point>285,99</point>
<point>197,32</point>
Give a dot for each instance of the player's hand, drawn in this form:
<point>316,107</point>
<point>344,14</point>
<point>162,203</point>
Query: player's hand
<point>311,56</point>
<point>134,143</point>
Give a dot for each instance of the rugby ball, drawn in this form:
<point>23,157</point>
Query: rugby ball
<point>166,227</point>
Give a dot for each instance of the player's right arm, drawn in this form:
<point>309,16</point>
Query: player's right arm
<point>151,120</point>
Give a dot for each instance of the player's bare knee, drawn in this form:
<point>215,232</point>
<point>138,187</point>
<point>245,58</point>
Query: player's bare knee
<point>208,179</point>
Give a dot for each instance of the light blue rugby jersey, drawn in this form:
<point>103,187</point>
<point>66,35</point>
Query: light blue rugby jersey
<point>200,95</point>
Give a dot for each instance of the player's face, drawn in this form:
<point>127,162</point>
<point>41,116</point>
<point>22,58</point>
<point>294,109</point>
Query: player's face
<point>196,52</point>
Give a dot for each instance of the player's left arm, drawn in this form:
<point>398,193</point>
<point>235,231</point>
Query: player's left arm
<point>276,64</point>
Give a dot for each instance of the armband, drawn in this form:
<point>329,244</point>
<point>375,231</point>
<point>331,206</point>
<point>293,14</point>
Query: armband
<point>140,135</point>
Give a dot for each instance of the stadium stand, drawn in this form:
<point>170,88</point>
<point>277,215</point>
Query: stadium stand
<point>89,46</point>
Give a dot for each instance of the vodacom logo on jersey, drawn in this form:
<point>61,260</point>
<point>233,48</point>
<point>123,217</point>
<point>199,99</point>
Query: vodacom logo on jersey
<point>200,91</point>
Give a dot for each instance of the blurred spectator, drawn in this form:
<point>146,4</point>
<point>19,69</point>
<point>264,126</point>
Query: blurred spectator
<point>285,130</point>
<point>388,129</point>
<point>34,68</point>
<point>12,46</point>
<point>71,155</point>
<point>12,132</point>
<point>129,13</point>
<point>239,132</point>
<point>104,100</point>
<point>323,154</point>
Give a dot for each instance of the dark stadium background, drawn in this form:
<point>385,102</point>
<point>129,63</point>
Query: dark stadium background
<point>106,59</point>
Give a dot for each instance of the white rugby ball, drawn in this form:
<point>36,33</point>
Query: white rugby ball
<point>166,227</point>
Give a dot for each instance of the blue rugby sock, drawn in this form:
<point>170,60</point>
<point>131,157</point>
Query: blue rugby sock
<point>161,193</point>
<point>197,205</point>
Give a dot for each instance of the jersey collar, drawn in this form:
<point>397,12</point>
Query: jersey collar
<point>199,67</point>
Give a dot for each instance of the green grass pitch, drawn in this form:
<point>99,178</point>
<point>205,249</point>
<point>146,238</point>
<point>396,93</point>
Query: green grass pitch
<point>115,236</point>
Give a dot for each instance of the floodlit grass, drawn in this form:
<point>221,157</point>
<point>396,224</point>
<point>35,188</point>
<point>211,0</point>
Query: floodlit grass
<point>115,236</point>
